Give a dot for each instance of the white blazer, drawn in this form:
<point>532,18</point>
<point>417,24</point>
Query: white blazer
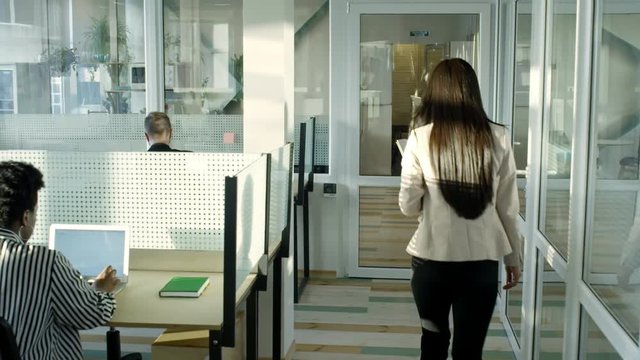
<point>442,235</point>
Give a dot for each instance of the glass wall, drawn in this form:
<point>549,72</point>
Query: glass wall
<point>67,61</point>
<point>72,57</point>
<point>312,30</point>
<point>596,346</point>
<point>590,105</point>
<point>521,96</point>
<point>613,255</point>
<point>550,322</point>
<point>558,126</point>
<point>395,61</point>
<point>203,56</point>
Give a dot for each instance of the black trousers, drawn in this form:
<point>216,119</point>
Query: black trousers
<point>470,288</point>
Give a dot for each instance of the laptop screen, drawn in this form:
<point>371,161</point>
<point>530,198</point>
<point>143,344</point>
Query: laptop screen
<point>91,250</point>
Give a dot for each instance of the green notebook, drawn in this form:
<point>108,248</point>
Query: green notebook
<point>184,286</point>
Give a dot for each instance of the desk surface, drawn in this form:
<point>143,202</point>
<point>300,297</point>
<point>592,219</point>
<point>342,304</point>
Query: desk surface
<point>139,305</point>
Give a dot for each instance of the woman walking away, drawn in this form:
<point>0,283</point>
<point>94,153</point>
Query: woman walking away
<point>459,179</point>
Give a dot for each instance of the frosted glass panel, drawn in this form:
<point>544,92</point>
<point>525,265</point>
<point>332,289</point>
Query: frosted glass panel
<point>251,221</point>
<point>120,132</point>
<point>558,126</point>
<point>521,96</point>
<point>279,194</point>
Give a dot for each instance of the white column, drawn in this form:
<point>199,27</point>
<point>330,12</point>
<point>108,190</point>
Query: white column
<point>153,55</point>
<point>266,73</point>
<point>268,66</point>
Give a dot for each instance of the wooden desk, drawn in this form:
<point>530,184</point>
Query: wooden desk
<point>139,304</point>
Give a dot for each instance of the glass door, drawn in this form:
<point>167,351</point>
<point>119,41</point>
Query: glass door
<point>392,49</point>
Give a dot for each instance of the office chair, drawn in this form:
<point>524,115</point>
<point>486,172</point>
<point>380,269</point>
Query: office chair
<point>8,345</point>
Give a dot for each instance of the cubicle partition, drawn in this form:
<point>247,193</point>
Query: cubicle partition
<point>280,200</point>
<point>185,218</point>
<point>304,177</point>
<point>320,142</point>
<point>278,232</point>
<point>246,218</point>
<point>169,200</point>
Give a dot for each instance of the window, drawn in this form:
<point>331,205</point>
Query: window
<point>203,57</point>
<point>7,91</point>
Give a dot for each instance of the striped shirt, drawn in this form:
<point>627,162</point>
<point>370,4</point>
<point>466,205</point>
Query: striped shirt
<point>45,300</point>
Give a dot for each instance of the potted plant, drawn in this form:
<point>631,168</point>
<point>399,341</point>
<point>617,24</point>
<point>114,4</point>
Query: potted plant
<point>61,60</point>
<point>97,51</point>
<point>234,106</point>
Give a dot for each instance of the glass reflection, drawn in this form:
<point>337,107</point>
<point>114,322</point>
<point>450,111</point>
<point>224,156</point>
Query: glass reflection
<point>614,245</point>
<point>514,309</point>
<point>558,124</point>
<point>395,60</point>
<point>552,315</point>
<point>203,56</point>
<point>72,57</point>
<point>521,96</point>
<point>596,346</point>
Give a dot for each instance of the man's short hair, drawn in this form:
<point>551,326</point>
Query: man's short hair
<point>156,123</point>
<point>19,186</point>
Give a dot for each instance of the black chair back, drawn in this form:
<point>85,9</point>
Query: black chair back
<point>8,345</point>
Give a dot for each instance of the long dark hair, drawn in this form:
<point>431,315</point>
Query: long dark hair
<point>461,141</point>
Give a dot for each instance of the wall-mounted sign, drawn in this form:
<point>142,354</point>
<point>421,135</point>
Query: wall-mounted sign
<point>419,33</point>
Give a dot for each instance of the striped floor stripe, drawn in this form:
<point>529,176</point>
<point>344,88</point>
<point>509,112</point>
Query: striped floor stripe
<point>384,324</point>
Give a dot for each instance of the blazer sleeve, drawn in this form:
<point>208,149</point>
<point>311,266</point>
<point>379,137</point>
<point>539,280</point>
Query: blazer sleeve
<point>412,186</point>
<point>508,204</point>
<point>75,303</point>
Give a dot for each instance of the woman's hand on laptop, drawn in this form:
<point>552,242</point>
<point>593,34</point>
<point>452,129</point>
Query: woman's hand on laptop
<point>106,281</point>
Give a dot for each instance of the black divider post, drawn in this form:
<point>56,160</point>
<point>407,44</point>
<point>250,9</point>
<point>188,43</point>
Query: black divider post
<point>229,282</point>
<point>113,344</point>
<point>262,278</point>
<point>286,236</point>
<point>296,294</point>
<point>215,344</point>
<point>277,306</point>
<point>301,157</point>
<point>309,185</point>
<point>252,325</point>
<point>299,200</point>
<point>305,221</point>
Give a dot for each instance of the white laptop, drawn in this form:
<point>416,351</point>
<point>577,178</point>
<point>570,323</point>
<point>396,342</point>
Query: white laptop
<point>91,248</point>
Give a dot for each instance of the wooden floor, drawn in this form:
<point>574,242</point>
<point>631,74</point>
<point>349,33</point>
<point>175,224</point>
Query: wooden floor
<point>368,319</point>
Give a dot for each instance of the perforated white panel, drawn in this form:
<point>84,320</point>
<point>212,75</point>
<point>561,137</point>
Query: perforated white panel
<point>321,154</point>
<point>117,132</point>
<point>170,200</point>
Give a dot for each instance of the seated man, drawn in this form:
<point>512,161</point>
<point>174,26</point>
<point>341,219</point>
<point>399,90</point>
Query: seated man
<point>158,132</point>
<point>43,297</point>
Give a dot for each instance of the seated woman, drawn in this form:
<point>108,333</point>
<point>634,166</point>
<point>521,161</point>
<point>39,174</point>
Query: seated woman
<point>43,297</point>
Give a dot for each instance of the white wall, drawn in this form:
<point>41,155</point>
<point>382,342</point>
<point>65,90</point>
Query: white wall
<point>312,63</point>
<point>268,105</point>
